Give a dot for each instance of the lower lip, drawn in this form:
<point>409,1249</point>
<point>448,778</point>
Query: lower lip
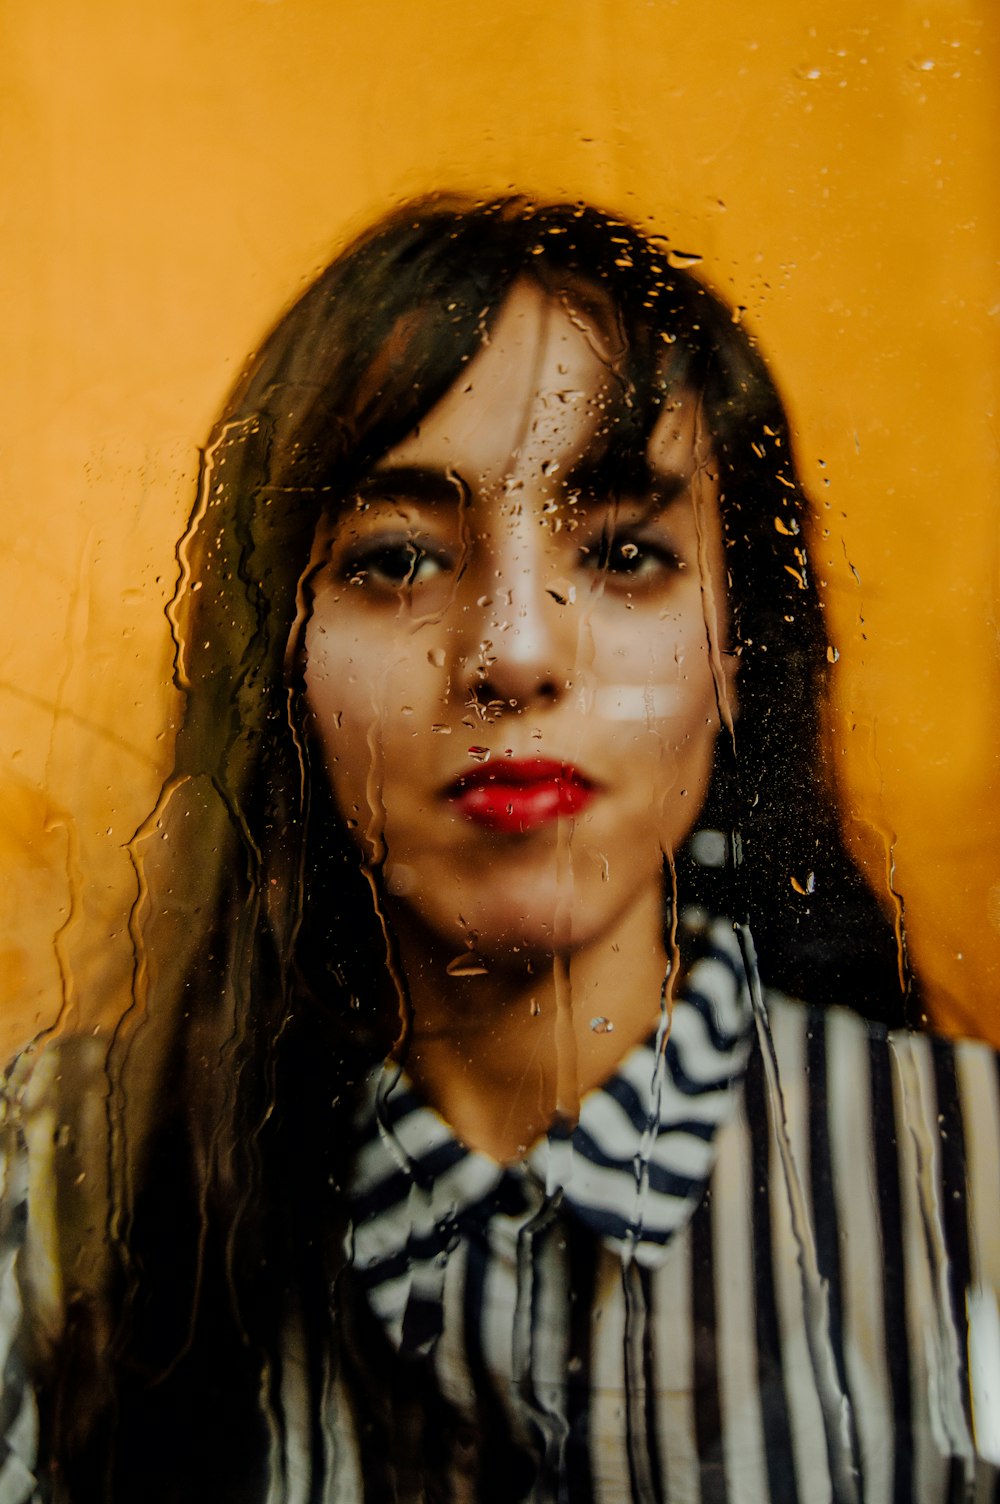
<point>515,808</point>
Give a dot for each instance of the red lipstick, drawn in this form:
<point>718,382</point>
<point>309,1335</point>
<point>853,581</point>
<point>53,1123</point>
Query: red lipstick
<point>522,794</point>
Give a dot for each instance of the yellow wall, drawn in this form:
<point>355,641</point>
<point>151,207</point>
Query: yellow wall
<point>176,170</point>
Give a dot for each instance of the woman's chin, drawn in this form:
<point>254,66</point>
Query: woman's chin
<point>498,932</point>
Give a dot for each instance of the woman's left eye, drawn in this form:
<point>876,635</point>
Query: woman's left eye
<point>630,557</point>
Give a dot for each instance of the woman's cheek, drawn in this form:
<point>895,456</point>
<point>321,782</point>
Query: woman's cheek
<point>340,719</point>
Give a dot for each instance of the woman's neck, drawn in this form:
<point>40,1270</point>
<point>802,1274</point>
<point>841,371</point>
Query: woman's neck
<point>501,1054</point>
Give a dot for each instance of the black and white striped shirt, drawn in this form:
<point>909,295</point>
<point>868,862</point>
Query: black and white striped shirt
<point>762,1269</point>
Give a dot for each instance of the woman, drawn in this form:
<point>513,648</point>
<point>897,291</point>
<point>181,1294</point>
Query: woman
<point>460,1143</point>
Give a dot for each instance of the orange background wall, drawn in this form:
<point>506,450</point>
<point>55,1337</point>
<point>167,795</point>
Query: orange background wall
<point>176,170</point>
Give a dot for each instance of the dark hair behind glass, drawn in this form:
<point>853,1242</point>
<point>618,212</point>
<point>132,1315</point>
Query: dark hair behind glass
<point>268,992</point>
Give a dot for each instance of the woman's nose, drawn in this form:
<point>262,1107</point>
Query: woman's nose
<point>520,639</point>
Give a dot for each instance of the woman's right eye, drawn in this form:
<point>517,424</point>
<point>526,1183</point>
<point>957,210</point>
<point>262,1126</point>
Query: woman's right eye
<point>392,564</point>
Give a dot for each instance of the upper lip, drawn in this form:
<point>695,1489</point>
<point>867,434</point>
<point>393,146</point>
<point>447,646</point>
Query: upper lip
<point>520,771</point>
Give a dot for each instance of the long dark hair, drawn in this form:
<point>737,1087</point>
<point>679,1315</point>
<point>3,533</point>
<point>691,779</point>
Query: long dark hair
<point>261,991</point>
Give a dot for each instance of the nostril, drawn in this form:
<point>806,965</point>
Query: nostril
<point>487,694</point>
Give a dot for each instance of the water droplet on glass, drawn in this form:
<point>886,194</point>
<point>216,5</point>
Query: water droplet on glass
<point>436,657</point>
<point>680,259</point>
<point>788,528</point>
<point>465,965</point>
<point>480,754</point>
<point>832,654</point>
<point>441,730</point>
<point>602,1025</point>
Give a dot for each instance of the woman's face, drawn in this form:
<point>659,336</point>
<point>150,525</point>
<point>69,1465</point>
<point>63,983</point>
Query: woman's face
<point>514,660</point>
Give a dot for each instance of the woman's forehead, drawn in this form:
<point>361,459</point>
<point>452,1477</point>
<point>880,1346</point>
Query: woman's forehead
<point>547,390</point>
<point>681,441</point>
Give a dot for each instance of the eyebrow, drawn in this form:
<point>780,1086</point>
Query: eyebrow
<point>627,476</point>
<point>592,482</point>
<point>421,483</point>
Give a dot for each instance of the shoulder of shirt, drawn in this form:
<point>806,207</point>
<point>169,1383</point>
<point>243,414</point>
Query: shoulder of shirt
<point>52,1100</point>
<point>32,1295</point>
<point>845,1029</point>
<point>943,1113</point>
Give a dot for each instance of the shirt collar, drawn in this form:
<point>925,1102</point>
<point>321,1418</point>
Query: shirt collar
<point>632,1169</point>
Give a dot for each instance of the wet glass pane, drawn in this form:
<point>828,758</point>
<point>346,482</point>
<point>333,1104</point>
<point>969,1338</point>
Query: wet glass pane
<point>500,908</point>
